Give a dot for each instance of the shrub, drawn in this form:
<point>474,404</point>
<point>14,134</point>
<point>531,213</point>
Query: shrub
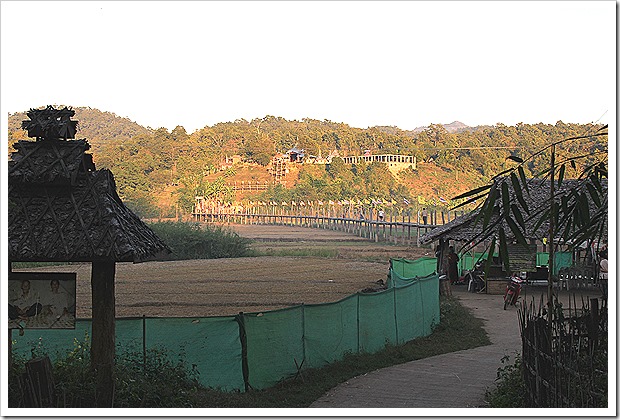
<point>192,241</point>
<point>510,391</point>
<point>154,381</point>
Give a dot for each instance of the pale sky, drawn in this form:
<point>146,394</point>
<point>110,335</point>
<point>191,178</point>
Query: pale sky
<point>405,63</point>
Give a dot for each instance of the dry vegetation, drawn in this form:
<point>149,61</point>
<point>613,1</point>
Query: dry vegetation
<point>230,285</point>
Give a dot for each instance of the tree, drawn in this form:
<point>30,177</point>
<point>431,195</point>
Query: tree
<point>141,203</point>
<point>195,185</point>
<point>179,134</point>
<point>379,180</point>
<point>259,149</point>
<point>163,147</point>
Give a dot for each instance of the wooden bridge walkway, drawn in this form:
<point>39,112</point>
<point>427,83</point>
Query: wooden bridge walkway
<point>392,231</point>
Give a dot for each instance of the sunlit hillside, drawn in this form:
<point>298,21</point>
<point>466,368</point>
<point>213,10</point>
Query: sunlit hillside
<point>160,172</point>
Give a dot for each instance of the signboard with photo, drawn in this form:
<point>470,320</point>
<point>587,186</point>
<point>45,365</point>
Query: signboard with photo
<point>42,300</point>
<point>522,258</point>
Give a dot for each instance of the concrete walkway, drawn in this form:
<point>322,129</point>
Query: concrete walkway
<point>456,380</point>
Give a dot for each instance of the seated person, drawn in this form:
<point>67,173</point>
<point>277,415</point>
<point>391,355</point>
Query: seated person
<point>26,304</point>
<point>58,301</point>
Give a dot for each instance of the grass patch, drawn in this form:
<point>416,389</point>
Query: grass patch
<point>295,252</point>
<point>18,265</point>
<point>190,241</point>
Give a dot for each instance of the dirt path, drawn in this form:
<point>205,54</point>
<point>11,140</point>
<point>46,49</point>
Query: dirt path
<point>455,380</point>
<point>452,380</point>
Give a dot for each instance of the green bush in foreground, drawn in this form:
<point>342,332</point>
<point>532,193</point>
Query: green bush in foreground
<point>510,391</point>
<point>189,241</point>
<point>154,381</point>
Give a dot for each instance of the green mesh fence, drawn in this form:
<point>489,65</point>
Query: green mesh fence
<point>468,260</point>
<point>417,308</point>
<point>55,343</point>
<point>281,343</point>
<point>561,260</point>
<point>414,314</point>
<point>212,344</point>
<point>423,266</point>
<point>411,268</point>
<point>376,317</point>
<point>327,345</point>
<point>257,350</point>
<point>275,345</point>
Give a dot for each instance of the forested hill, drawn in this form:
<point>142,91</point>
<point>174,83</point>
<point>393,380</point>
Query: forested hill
<point>94,125</point>
<point>156,169</point>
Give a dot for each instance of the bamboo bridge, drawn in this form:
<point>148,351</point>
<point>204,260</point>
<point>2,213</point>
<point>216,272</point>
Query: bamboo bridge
<point>394,229</point>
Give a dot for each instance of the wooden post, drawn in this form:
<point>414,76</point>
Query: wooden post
<point>409,226</point>
<point>244,351</point>
<point>103,324</point>
<point>144,342</point>
<point>10,347</point>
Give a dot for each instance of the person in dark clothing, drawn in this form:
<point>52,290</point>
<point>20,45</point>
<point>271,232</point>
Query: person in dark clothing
<point>453,269</point>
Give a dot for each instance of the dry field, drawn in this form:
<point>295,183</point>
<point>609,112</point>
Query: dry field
<point>228,286</point>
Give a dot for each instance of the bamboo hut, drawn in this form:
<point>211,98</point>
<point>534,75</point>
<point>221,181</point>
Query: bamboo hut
<point>465,229</point>
<point>62,209</point>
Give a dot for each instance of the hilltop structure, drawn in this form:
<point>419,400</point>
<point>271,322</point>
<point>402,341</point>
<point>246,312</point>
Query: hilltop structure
<point>395,163</point>
<point>279,163</point>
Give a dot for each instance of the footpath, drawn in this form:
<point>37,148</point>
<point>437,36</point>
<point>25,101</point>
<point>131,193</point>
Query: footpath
<point>453,380</point>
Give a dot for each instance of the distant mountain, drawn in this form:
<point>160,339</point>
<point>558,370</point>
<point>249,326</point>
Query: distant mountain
<point>456,127</point>
<point>453,127</point>
<point>95,125</point>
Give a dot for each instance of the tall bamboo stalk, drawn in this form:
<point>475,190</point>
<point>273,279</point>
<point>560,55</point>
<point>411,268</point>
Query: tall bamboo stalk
<point>551,238</point>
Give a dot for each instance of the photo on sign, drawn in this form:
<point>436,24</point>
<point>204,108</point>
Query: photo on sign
<point>522,258</point>
<point>42,300</point>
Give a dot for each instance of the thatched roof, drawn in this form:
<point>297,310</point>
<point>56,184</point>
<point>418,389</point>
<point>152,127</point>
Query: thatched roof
<point>62,209</point>
<point>463,228</point>
<point>49,161</point>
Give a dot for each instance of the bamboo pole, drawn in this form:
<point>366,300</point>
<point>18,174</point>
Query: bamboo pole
<point>551,239</point>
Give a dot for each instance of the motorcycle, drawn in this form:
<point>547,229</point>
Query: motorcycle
<point>513,290</point>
